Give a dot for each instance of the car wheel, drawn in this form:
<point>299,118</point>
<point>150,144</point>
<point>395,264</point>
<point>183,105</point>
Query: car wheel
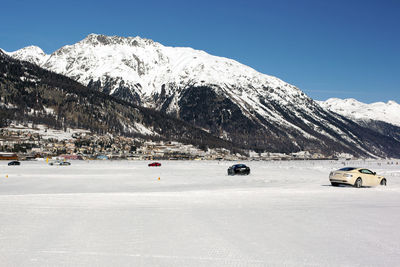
<point>358,183</point>
<point>383,182</point>
<point>334,184</point>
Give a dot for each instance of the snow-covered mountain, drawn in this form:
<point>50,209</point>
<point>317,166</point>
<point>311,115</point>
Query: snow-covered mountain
<point>388,112</point>
<point>220,95</point>
<point>33,54</point>
<point>29,93</point>
<point>145,66</point>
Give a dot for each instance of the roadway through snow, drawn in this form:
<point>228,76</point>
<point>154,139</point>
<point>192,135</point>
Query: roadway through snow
<point>104,213</point>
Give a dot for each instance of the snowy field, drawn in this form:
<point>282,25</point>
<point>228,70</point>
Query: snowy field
<point>118,213</point>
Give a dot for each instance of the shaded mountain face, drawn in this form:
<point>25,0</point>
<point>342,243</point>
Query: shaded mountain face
<point>223,97</point>
<point>29,93</point>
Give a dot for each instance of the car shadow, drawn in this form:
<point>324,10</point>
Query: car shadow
<point>345,185</point>
<point>341,185</point>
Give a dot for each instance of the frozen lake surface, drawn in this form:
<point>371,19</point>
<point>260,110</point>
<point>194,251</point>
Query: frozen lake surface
<point>118,213</point>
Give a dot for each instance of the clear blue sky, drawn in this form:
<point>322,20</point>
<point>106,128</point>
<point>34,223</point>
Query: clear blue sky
<point>326,48</point>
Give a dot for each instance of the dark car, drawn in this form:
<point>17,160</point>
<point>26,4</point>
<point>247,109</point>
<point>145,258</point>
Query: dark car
<point>60,163</point>
<point>14,163</point>
<point>239,169</point>
<point>154,164</point>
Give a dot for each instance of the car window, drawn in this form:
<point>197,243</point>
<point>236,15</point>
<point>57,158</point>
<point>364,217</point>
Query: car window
<point>366,171</point>
<point>347,169</point>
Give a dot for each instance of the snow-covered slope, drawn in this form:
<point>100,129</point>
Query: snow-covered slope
<point>220,95</point>
<point>141,61</point>
<point>31,54</point>
<point>388,112</point>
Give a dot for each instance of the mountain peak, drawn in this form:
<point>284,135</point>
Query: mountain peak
<point>32,49</point>
<point>32,53</point>
<point>100,39</point>
<point>392,103</point>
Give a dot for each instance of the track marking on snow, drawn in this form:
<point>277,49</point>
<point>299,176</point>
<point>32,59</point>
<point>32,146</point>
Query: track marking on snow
<point>97,253</point>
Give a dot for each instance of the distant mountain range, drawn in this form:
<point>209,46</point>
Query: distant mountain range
<point>387,112</point>
<point>226,99</point>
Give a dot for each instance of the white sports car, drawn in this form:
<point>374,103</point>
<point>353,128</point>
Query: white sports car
<point>357,177</point>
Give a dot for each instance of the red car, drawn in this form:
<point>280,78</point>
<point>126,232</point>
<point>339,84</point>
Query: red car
<point>155,164</point>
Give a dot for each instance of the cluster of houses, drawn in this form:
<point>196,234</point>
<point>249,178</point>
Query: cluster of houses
<point>84,145</point>
<point>33,142</point>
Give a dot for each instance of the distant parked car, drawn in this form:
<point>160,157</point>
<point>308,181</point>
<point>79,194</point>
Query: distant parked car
<point>60,163</point>
<point>356,177</point>
<point>239,169</point>
<point>154,164</point>
<point>14,163</point>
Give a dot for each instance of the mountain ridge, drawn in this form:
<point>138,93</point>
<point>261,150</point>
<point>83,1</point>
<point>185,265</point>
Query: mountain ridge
<point>153,56</point>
